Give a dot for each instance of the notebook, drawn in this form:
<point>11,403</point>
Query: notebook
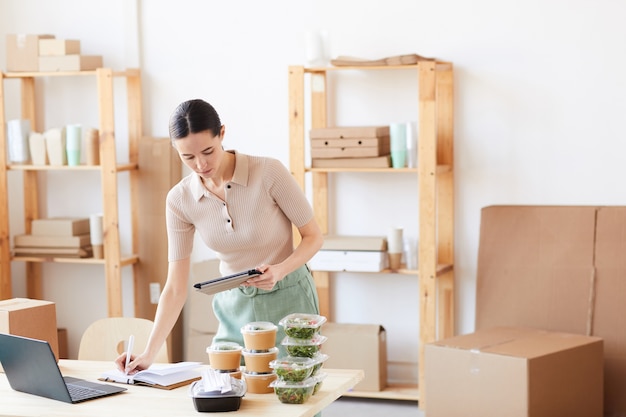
<point>215,285</point>
<point>164,376</point>
<point>30,366</point>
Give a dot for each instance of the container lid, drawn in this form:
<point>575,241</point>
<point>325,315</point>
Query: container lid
<point>319,358</point>
<point>260,375</point>
<point>292,362</point>
<point>238,386</point>
<point>224,347</point>
<point>315,341</point>
<point>311,321</point>
<point>307,383</point>
<point>259,326</point>
<point>250,352</point>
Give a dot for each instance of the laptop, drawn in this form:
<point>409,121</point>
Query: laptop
<point>30,366</point>
<point>227,282</point>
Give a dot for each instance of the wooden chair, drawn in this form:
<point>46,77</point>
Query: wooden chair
<point>106,339</point>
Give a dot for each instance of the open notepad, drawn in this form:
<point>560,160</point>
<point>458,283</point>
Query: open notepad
<point>163,376</point>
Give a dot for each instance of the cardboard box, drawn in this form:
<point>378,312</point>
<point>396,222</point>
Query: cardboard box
<point>350,147</point>
<point>357,261</point>
<point>349,132</point>
<point>558,268</point>
<point>195,346</point>
<point>371,162</point>
<point>358,346</point>
<point>23,52</point>
<point>62,338</point>
<point>38,241</point>
<point>367,243</point>
<point>514,372</point>
<point>36,319</point>
<point>60,226</point>
<point>55,47</point>
<point>160,168</point>
<point>69,63</point>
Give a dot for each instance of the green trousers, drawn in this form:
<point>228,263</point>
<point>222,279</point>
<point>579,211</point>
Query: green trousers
<point>235,308</point>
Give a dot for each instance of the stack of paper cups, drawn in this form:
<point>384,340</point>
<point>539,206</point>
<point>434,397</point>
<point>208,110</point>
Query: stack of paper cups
<point>397,137</point>
<point>92,147</point>
<point>395,247</point>
<point>18,132</point>
<point>73,138</point>
<point>97,235</point>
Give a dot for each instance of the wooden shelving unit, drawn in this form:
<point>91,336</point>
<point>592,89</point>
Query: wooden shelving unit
<point>435,190</point>
<point>109,170</point>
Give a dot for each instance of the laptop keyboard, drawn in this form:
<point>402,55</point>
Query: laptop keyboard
<point>78,392</point>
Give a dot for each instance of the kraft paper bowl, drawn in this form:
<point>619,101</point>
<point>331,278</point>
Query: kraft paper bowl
<point>259,335</point>
<point>225,356</point>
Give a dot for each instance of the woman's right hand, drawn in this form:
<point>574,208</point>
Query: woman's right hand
<point>137,363</point>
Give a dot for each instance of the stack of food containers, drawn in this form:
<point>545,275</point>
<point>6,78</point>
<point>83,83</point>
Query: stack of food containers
<point>259,338</point>
<point>225,357</point>
<point>298,373</point>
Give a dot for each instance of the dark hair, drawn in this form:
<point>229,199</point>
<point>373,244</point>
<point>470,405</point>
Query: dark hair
<point>194,116</point>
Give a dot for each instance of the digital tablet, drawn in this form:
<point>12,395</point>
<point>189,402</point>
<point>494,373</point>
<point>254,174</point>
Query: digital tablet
<point>215,285</point>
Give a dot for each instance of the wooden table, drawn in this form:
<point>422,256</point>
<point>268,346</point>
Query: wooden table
<point>153,402</point>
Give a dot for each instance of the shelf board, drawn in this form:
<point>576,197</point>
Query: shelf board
<point>441,269</point>
<point>125,260</point>
<point>405,392</point>
<point>46,74</point>
<point>29,167</point>
<point>440,169</point>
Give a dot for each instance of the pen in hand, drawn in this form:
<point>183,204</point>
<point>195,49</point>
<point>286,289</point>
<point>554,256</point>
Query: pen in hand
<point>129,351</point>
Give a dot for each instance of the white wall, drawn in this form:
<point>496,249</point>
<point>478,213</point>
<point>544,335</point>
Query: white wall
<point>539,95</point>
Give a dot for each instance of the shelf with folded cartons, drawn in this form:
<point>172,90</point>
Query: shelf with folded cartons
<point>109,169</point>
<point>435,194</point>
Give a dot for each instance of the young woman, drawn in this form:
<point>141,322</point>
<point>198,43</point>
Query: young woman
<point>242,207</point>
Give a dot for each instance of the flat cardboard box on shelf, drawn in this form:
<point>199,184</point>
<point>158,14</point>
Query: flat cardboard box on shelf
<point>60,226</point>
<point>38,241</point>
<point>351,151</point>
<point>353,260</point>
<point>358,346</point>
<point>56,47</point>
<point>559,268</point>
<point>23,52</point>
<point>349,132</point>
<point>69,63</point>
<point>383,161</point>
<point>366,243</point>
<point>514,372</point>
<point>36,319</point>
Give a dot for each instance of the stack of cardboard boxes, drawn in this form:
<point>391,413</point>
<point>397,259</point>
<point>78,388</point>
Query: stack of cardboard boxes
<point>351,253</point>
<point>350,147</point>
<point>58,237</point>
<point>33,53</point>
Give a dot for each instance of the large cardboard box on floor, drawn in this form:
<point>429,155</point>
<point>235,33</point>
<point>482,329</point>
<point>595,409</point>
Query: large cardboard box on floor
<point>514,372</point>
<point>558,268</point>
<point>358,346</point>
<point>36,319</point>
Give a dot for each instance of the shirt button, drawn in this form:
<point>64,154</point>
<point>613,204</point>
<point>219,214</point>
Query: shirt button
<point>228,186</point>
<point>228,221</point>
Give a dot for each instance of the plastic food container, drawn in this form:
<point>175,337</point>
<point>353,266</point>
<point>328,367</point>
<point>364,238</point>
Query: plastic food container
<point>259,361</point>
<point>294,392</point>
<point>301,325</point>
<point>292,368</point>
<point>306,348</point>
<point>225,356</point>
<point>319,358</point>
<point>318,381</point>
<point>259,335</point>
<point>215,401</point>
<point>259,383</point>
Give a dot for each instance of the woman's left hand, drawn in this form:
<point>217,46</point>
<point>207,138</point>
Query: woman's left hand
<point>270,275</point>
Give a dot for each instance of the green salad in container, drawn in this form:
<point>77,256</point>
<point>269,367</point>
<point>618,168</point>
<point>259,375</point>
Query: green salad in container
<point>302,325</point>
<point>289,392</point>
<point>292,368</point>
<point>304,348</point>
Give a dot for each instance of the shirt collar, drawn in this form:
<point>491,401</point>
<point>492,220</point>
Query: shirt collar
<point>240,176</point>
